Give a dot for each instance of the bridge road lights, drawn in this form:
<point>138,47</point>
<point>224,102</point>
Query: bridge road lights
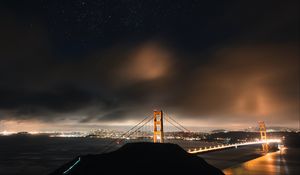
<point>263,135</point>
<point>158,132</point>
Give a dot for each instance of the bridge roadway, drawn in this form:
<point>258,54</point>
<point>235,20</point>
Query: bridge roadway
<point>220,147</point>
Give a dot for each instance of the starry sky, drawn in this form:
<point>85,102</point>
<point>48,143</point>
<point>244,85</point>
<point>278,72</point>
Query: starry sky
<point>84,63</point>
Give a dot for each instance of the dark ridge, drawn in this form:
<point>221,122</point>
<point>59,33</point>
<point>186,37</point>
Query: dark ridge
<point>139,158</point>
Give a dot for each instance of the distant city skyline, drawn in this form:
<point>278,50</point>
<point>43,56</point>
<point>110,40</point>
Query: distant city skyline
<point>12,126</point>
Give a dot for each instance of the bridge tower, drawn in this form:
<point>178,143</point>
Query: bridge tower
<point>263,135</point>
<point>158,132</point>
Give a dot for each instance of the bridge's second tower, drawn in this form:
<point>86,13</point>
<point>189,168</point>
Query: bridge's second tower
<point>158,132</point>
<point>263,135</point>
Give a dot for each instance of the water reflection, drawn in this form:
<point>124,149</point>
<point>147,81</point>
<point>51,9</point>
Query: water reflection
<point>284,162</point>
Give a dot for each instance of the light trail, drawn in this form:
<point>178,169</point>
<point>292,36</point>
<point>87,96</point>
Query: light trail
<point>69,169</point>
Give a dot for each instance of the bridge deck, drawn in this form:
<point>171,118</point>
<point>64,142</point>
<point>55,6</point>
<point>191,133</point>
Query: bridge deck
<point>220,147</point>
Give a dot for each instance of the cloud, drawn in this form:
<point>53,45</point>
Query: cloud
<point>233,67</point>
<point>245,82</point>
<point>242,82</point>
<point>103,86</point>
<point>149,61</point>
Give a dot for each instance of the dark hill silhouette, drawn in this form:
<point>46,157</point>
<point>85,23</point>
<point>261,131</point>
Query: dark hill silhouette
<point>140,158</point>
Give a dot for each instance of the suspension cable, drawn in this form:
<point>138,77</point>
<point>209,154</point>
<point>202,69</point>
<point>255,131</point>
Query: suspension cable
<point>177,123</point>
<point>112,142</point>
<point>174,125</point>
<point>109,145</point>
<point>138,128</point>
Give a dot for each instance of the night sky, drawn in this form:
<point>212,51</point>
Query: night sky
<point>111,62</point>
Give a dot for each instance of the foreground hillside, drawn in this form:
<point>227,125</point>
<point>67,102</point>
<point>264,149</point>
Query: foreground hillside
<point>139,158</point>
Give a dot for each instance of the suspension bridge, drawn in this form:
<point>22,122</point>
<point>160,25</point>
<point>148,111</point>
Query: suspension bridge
<point>158,122</point>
